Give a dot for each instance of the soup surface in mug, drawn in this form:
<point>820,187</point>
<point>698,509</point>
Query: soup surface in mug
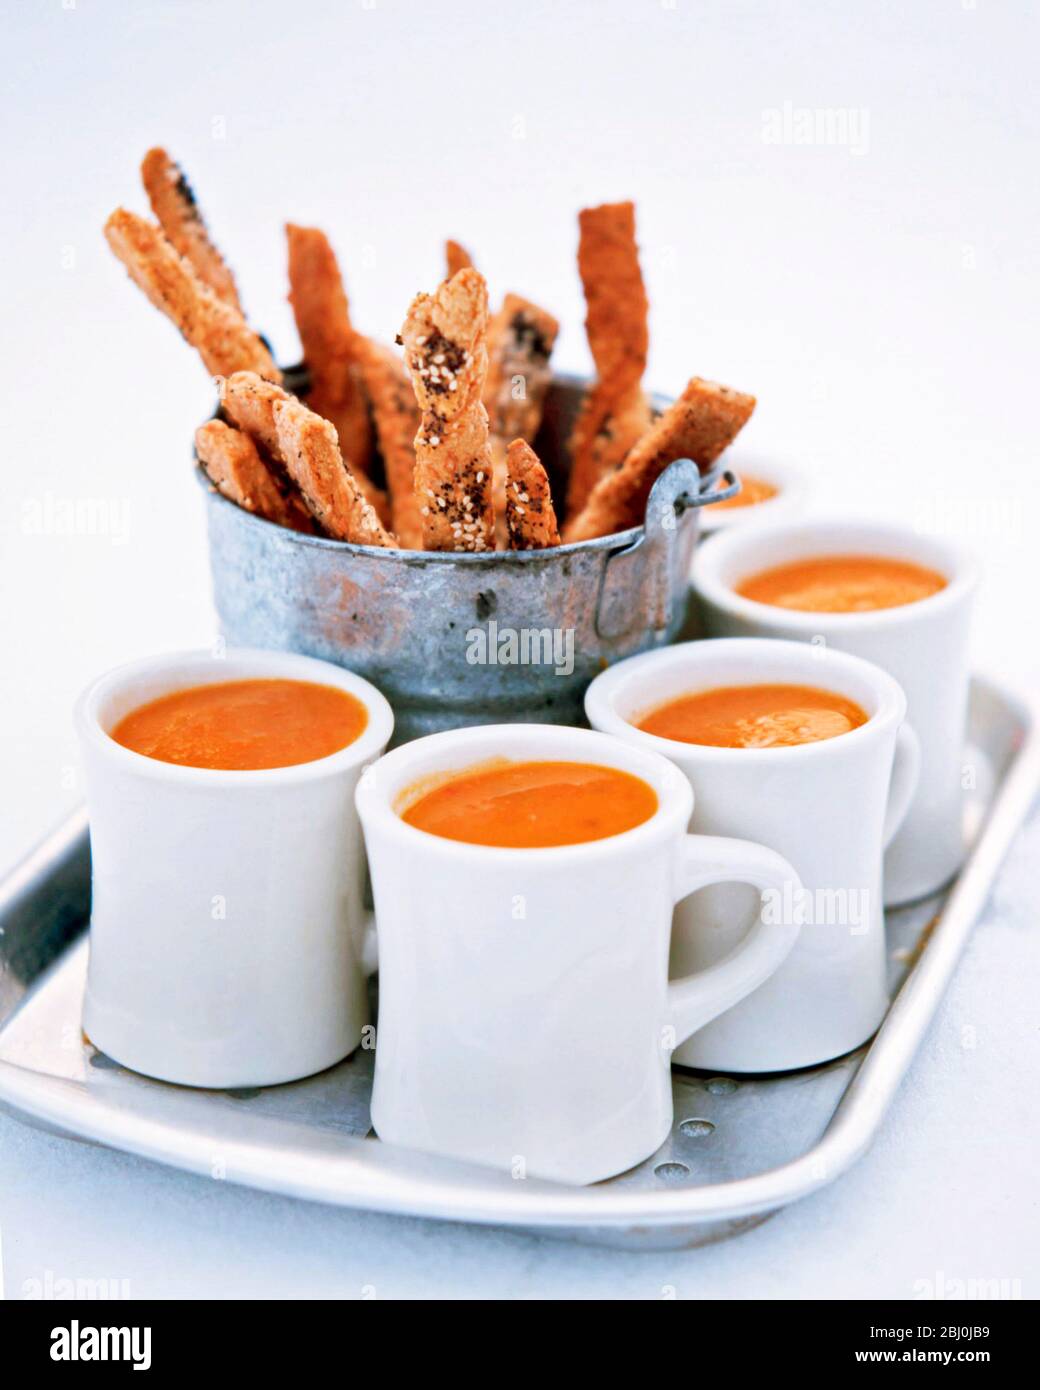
<point>244,725</point>
<point>752,491</point>
<point>754,716</point>
<point>533,805</point>
<point>843,584</point>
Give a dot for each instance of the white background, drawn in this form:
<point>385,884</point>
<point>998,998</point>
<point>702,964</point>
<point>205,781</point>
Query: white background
<point>879,297</point>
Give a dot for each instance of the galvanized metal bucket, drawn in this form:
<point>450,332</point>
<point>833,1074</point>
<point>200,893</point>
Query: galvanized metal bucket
<point>454,639</point>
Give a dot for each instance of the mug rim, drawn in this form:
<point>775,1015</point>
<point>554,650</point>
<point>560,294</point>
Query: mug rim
<point>265,664</point>
<point>960,570</point>
<point>375,804</point>
<point>602,714</point>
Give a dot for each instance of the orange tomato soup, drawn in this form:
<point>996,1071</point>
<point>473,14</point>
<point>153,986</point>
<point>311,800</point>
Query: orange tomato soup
<point>752,491</point>
<point>843,584</point>
<point>532,805</point>
<point>244,725</point>
<point>754,716</point>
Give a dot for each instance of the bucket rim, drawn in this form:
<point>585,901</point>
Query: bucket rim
<point>617,540</point>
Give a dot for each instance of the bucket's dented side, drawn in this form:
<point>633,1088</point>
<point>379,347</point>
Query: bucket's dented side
<point>463,639</point>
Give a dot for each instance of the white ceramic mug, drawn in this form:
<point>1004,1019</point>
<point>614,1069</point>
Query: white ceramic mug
<point>227,926</point>
<point>924,645</point>
<point>526,1020</point>
<point>788,500</point>
<point>828,807</point>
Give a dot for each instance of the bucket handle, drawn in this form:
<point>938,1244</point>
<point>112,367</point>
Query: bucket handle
<point>638,579</point>
<point>710,494</point>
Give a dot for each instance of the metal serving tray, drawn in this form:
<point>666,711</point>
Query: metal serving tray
<point>740,1148</point>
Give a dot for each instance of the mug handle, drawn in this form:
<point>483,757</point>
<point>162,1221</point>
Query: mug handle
<point>706,859</point>
<point>906,768</point>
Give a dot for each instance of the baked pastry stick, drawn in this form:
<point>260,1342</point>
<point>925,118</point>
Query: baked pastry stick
<point>250,403</point>
<point>322,314</point>
<point>603,433</point>
<point>530,518</point>
<point>699,425</point>
<point>521,337</point>
<point>174,205</point>
<point>445,342</point>
<point>224,340</point>
<point>456,257</point>
<point>396,418</point>
<point>232,463</point>
<point>615,413</point>
<point>306,446</point>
